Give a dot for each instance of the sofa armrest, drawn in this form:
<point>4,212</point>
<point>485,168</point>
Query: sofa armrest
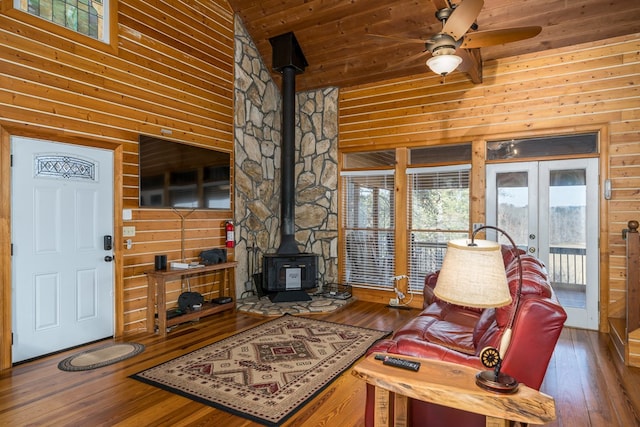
<point>430,281</point>
<point>409,346</point>
<point>536,330</point>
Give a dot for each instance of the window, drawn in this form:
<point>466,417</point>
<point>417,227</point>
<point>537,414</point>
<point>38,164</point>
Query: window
<point>436,209</point>
<point>547,146</point>
<point>88,17</point>
<point>438,212</point>
<point>368,225</point>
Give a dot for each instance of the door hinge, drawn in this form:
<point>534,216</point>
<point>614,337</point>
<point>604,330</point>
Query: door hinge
<point>11,160</point>
<point>11,338</point>
<point>12,249</point>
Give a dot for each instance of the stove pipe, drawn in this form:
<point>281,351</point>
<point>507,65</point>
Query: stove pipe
<point>288,60</point>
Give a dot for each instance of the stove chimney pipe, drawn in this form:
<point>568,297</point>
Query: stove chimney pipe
<point>288,60</point>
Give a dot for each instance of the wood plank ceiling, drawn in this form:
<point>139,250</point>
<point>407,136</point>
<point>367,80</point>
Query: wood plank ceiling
<point>335,35</point>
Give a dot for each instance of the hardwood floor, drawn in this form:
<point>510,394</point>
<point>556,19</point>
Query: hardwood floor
<point>589,387</point>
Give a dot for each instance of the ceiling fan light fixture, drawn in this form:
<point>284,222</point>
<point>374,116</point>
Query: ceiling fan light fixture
<point>443,64</point>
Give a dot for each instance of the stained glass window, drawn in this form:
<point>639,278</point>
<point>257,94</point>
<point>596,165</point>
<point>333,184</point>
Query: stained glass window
<point>83,16</point>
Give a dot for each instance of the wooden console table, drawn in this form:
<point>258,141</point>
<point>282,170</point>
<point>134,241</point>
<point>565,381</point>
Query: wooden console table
<point>157,301</point>
<point>451,385</point>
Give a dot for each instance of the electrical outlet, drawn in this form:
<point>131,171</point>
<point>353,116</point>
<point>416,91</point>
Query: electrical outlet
<point>477,225</point>
<point>393,301</point>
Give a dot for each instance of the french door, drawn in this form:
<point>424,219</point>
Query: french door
<point>550,209</point>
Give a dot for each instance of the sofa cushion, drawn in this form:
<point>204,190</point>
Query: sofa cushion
<point>430,282</point>
<point>444,324</point>
<point>534,282</point>
<point>508,254</point>
<point>487,319</point>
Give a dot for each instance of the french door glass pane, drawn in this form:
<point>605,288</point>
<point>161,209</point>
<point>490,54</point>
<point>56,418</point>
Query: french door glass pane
<point>568,236</point>
<point>513,207</point>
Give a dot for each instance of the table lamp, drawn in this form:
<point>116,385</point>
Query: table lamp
<point>473,275</point>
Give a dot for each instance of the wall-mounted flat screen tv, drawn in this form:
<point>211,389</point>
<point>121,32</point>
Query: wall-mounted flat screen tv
<point>176,175</point>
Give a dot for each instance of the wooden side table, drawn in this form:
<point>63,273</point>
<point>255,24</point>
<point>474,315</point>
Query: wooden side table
<point>451,385</point>
<point>157,301</point>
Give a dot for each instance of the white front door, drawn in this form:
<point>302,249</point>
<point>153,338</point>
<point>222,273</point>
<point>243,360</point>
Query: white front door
<point>62,279</point>
<point>550,209</point>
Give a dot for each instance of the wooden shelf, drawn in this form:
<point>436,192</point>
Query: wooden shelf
<point>157,302</point>
<point>206,310</point>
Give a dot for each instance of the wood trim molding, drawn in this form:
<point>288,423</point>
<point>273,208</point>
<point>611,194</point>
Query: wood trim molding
<point>5,250</point>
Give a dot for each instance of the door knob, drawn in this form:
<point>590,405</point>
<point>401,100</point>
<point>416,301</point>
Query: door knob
<point>108,258</point>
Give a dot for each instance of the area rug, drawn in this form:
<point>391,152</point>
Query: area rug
<point>267,372</point>
<point>99,357</point>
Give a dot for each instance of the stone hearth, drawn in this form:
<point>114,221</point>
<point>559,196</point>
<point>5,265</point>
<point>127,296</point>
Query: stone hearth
<point>318,304</point>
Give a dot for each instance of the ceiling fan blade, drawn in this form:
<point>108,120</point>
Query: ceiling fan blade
<point>495,37</point>
<point>410,60</point>
<point>398,39</point>
<point>462,18</point>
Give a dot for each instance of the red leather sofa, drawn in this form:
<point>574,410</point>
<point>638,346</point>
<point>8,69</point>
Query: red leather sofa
<point>457,334</point>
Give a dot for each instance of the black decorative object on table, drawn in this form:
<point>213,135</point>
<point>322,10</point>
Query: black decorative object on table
<point>213,256</point>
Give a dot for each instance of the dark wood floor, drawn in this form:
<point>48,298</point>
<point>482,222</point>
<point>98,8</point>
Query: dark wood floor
<point>589,387</point>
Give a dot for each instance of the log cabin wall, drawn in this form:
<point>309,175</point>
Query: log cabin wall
<point>169,74</point>
<point>591,87</point>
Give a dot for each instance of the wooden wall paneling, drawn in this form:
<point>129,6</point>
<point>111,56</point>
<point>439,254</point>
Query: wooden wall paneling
<point>593,86</point>
<point>172,70</point>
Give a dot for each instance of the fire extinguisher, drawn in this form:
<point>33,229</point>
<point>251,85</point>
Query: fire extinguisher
<point>230,235</point>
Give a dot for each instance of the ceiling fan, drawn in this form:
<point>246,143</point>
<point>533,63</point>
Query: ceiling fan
<point>455,37</point>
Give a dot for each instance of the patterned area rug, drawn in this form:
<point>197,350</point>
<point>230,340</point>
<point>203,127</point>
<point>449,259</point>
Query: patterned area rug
<point>99,357</point>
<point>265,373</point>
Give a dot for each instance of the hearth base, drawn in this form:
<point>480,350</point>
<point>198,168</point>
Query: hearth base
<point>289,296</point>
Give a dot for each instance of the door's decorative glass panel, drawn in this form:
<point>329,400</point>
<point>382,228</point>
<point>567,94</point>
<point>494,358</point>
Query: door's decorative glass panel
<point>64,167</point>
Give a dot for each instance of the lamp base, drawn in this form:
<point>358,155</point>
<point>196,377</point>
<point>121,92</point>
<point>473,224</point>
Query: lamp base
<point>505,383</point>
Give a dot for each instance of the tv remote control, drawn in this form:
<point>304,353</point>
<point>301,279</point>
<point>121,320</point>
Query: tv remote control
<point>398,363</point>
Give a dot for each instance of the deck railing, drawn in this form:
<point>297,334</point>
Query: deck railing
<point>566,265</point>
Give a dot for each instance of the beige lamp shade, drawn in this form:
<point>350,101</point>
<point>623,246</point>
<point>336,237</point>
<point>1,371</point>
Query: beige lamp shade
<point>473,276</point>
